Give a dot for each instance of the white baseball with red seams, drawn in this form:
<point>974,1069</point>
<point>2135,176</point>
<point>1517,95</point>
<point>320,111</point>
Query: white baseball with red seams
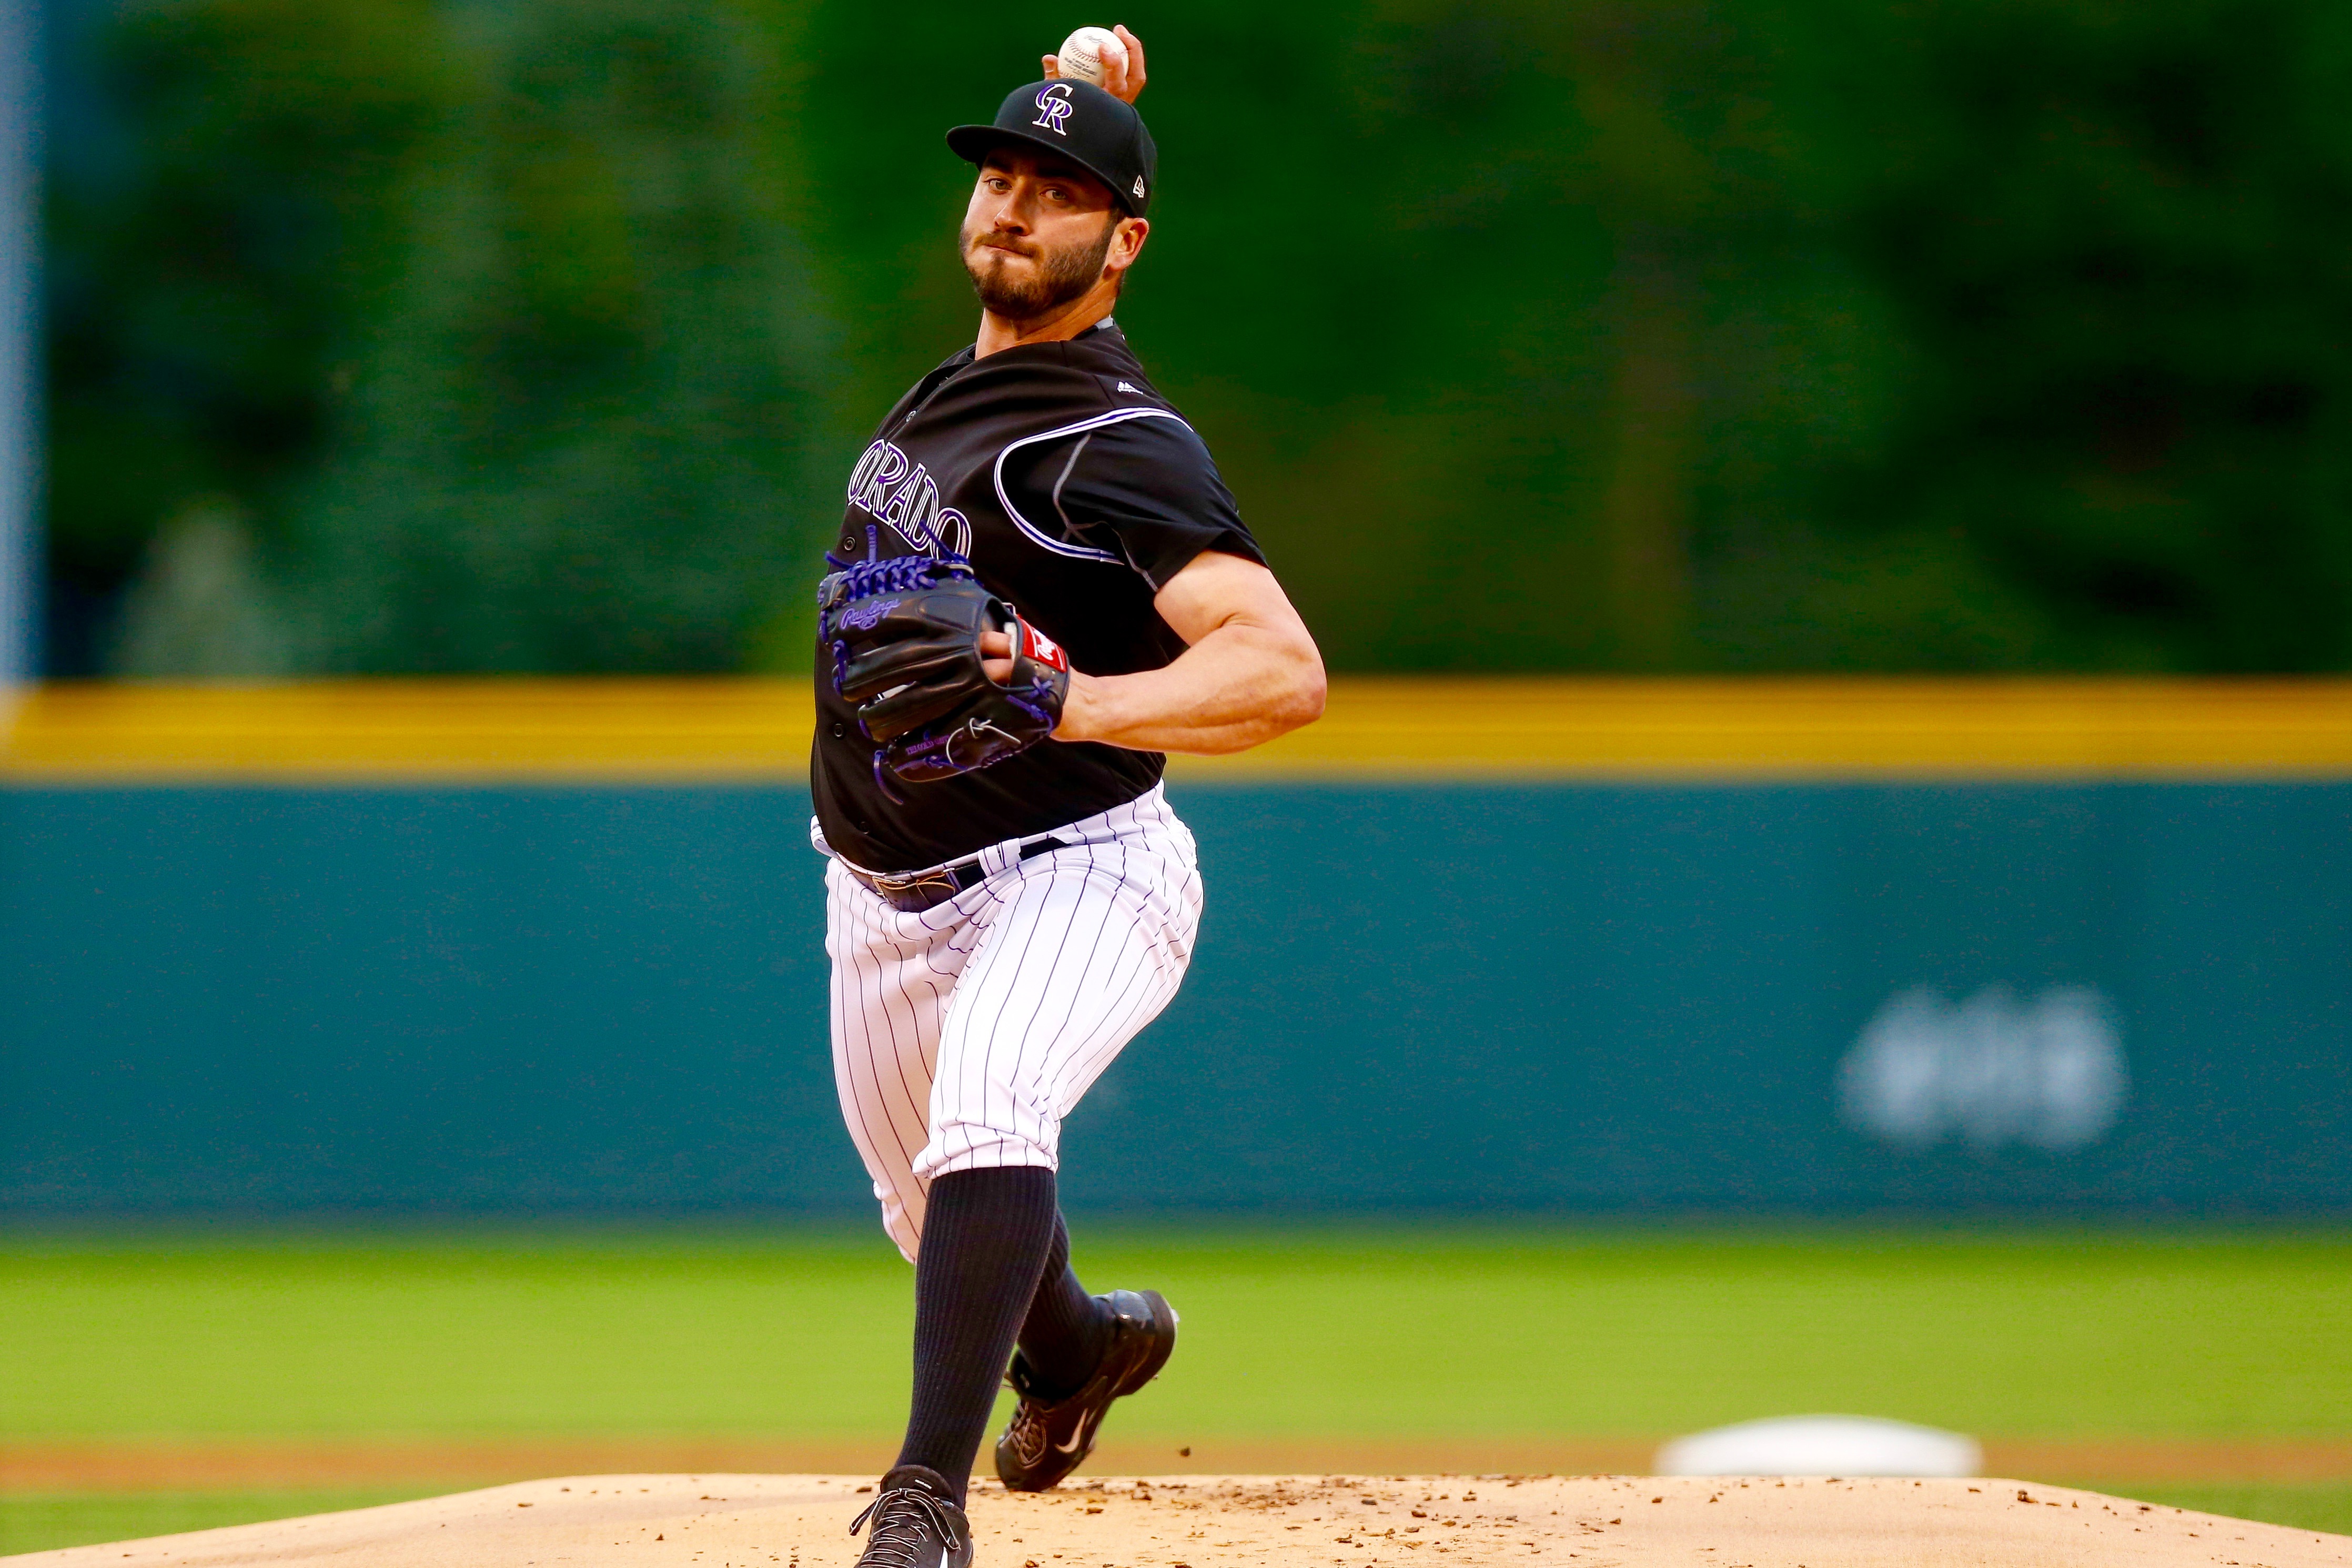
<point>964,1033</point>
<point>1087,54</point>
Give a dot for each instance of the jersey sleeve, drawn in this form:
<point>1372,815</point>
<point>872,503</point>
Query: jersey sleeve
<point>1144,489</point>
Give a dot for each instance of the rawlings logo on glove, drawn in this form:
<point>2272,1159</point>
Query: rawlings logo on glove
<point>867,616</point>
<point>1043,649</point>
<point>905,637</point>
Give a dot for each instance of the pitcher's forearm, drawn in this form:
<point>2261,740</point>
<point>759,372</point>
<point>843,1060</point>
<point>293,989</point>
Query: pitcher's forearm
<point>1239,686</point>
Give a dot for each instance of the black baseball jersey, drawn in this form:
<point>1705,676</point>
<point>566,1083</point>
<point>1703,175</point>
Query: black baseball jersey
<point>1077,492</point>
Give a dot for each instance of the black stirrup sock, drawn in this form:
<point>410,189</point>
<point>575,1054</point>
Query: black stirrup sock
<point>1062,1338</point>
<point>986,1237</point>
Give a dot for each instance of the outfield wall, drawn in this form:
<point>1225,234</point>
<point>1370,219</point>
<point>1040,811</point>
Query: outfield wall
<point>2113,994</point>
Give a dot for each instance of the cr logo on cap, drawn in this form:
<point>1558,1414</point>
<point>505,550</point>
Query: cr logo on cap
<point>1053,108</point>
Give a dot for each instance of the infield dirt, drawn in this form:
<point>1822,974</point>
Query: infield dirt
<point>451,1464</point>
<point>1223,1522</point>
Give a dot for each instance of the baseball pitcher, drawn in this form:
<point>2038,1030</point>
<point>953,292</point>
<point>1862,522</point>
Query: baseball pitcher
<point>1040,588</point>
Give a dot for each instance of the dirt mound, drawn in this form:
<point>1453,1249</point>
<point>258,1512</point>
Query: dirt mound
<point>1261,1521</point>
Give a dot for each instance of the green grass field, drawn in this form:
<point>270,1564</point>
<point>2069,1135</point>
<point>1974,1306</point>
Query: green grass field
<point>1329,1332</point>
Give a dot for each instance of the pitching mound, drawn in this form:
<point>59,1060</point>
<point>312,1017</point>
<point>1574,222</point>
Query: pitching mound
<point>1208,1522</point>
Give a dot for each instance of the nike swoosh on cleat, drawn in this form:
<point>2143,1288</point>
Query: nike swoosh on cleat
<point>1076,1438</point>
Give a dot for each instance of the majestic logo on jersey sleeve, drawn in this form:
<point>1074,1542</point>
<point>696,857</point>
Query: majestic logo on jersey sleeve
<point>890,487</point>
<point>1053,108</point>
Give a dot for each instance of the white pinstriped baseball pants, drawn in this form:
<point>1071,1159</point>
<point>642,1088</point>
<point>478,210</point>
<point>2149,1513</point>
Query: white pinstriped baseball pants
<point>963,1034</point>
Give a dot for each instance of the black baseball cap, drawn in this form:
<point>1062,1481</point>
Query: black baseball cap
<point>1099,134</point>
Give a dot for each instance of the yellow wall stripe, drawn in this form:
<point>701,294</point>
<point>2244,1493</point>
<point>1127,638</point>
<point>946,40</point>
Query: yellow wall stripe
<point>396,729</point>
<point>1821,728</point>
<point>461,730</point>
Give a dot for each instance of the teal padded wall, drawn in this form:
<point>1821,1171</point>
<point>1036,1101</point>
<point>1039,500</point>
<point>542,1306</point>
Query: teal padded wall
<point>2100,999</point>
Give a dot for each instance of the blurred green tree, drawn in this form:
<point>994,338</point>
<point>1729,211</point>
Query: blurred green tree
<point>209,279</point>
<point>2118,245</point>
<point>578,439</point>
<point>488,324</point>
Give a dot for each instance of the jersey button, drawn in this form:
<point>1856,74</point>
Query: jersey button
<point>839,730</point>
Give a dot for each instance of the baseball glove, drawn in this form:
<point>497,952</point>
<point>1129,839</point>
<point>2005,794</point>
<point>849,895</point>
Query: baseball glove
<point>904,635</point>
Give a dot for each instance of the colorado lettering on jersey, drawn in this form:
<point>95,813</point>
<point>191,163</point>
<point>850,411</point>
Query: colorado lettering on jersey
<point>891,489</point>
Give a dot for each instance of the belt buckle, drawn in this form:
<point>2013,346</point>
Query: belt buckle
<point>908,881</point>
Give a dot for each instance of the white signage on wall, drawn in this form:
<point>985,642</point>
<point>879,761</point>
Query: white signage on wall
<point>2047,1072</point>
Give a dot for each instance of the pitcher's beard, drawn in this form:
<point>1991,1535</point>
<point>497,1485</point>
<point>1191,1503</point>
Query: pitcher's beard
<point>1062,276</point>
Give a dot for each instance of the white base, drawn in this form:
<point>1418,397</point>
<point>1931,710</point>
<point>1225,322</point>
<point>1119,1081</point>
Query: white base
<point>1822,1446</point>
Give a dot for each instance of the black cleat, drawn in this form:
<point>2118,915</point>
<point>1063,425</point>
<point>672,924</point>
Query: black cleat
<point>917,1523</point>
<point>1049,1440</point>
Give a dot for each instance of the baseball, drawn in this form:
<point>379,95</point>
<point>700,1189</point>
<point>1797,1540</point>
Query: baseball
<point>1086,53</point>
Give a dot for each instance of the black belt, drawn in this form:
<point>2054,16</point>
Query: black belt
<point>912,891</point>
